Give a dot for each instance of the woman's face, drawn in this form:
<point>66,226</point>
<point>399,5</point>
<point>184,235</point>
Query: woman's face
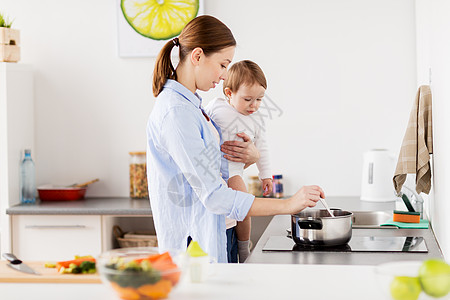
<point>212,69</point>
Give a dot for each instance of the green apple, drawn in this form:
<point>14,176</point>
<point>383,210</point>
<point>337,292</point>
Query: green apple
<point>434,276</point>
<point>405,288</point>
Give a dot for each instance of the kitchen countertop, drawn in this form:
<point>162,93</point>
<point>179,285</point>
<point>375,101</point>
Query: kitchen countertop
<point>128,206</point>
<point>277,227</point>
<point>234,281</point>
<point>90,206</point>
<point>266,275</point>
<point>279,224</point>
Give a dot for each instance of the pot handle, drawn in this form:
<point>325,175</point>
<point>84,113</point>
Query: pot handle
<point>310,224</point>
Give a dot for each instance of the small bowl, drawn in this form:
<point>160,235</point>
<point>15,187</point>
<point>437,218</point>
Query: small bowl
<point>402,276</point>
<point>140,273</point>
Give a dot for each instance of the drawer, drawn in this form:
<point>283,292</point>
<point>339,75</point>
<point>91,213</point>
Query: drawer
<point>55,237</point>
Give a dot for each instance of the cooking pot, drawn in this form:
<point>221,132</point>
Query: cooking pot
<point>317,227</point>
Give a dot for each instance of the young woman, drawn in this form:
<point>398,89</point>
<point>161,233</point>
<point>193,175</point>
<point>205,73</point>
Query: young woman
<point>189,197</point>
<point>244,91</point>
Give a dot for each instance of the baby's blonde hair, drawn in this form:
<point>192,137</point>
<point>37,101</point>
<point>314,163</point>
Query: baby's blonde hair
<point>244,72</point>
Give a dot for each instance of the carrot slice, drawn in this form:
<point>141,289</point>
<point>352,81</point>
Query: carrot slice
<point>161,289</point>
<point>78,262</point>
<point>163,262</point>
<point>154,257</point>
<point>126,293</point>
<point>173,277</point>
<point>164,256</point>
<point>168,269</point>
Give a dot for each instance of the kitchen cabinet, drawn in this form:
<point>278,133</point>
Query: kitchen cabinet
<point>16,134</point>
<point>129,214</point>
<point>57,230</point>
<point>50,237</point>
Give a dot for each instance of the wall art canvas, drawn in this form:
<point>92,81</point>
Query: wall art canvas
<point>144,26</point>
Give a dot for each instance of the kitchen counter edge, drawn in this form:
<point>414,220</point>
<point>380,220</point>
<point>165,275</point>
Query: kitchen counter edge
<point>90,206</point>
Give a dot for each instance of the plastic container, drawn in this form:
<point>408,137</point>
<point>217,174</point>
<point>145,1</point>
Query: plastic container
<point>27,179</point>
<point>199,268</point>
<point>254,186</point>
<point>278,186</point>
<point>138,175</point>
<point>140,273</point>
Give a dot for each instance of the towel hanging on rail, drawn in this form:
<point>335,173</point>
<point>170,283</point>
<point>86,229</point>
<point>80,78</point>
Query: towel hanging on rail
<point>417,145</point>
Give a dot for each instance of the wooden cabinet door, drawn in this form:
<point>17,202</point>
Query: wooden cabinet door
<point>55,237</point>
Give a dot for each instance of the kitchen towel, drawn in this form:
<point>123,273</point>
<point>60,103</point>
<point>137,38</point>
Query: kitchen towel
<point>422,225</point>
<point>414,157</point>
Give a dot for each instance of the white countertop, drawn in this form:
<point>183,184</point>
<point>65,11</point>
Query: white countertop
<point>234,281</point>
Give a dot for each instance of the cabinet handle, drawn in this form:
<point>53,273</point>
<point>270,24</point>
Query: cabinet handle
<point>54,226</point>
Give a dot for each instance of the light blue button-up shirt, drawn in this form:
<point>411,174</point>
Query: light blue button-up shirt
<point>187,195</point>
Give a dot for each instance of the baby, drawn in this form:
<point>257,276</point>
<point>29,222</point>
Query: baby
<point>244,90</point>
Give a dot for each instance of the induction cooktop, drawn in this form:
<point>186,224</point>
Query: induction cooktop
<point>356,244</point>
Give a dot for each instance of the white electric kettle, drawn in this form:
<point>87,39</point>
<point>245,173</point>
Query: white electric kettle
<point>378,170</point>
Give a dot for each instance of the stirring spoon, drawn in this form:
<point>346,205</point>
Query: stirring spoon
<point>326,206</point>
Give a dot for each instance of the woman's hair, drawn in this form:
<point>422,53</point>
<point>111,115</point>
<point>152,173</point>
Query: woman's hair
<point>205,32</point>
<point>244,72</point>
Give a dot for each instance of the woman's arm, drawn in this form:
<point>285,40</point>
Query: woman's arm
<point>241,151</point>
<point>195,164</point>
<point>307,196</point>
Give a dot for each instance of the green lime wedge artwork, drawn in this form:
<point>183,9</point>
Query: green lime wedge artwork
<point>159,19</point>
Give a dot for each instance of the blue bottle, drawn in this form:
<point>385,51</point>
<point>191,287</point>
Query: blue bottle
<point>27,179</point>
<point>278,186</point>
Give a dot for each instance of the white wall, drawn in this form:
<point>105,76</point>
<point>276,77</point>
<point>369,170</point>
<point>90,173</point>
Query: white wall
<point>343,73</point>
<point>16,134</point>
<point>433,49</point>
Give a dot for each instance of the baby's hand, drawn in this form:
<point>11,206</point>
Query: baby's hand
<point>267,186</point>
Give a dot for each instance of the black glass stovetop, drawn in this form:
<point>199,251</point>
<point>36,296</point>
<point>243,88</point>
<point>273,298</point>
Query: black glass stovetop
<point>356,244</point>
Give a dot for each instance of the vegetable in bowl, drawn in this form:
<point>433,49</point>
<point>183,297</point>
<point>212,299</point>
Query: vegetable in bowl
<point>139,273</point>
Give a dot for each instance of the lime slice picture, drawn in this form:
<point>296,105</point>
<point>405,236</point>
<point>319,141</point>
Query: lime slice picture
<point>159,19</point>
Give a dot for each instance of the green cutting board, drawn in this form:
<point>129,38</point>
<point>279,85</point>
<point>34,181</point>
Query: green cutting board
<point>422,225</point>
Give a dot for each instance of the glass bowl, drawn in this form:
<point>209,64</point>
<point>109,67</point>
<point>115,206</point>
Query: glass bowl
<point>140,273</point>
<point>400,281</point>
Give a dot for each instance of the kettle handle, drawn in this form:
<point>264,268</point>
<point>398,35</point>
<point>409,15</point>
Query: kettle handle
<point>370,177</point>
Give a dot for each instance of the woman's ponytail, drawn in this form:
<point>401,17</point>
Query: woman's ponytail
<point>205,32</point>
<point>163,67</point>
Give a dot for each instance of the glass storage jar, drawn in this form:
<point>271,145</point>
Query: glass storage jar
<point>254,186</point>
<point>138,175</point>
